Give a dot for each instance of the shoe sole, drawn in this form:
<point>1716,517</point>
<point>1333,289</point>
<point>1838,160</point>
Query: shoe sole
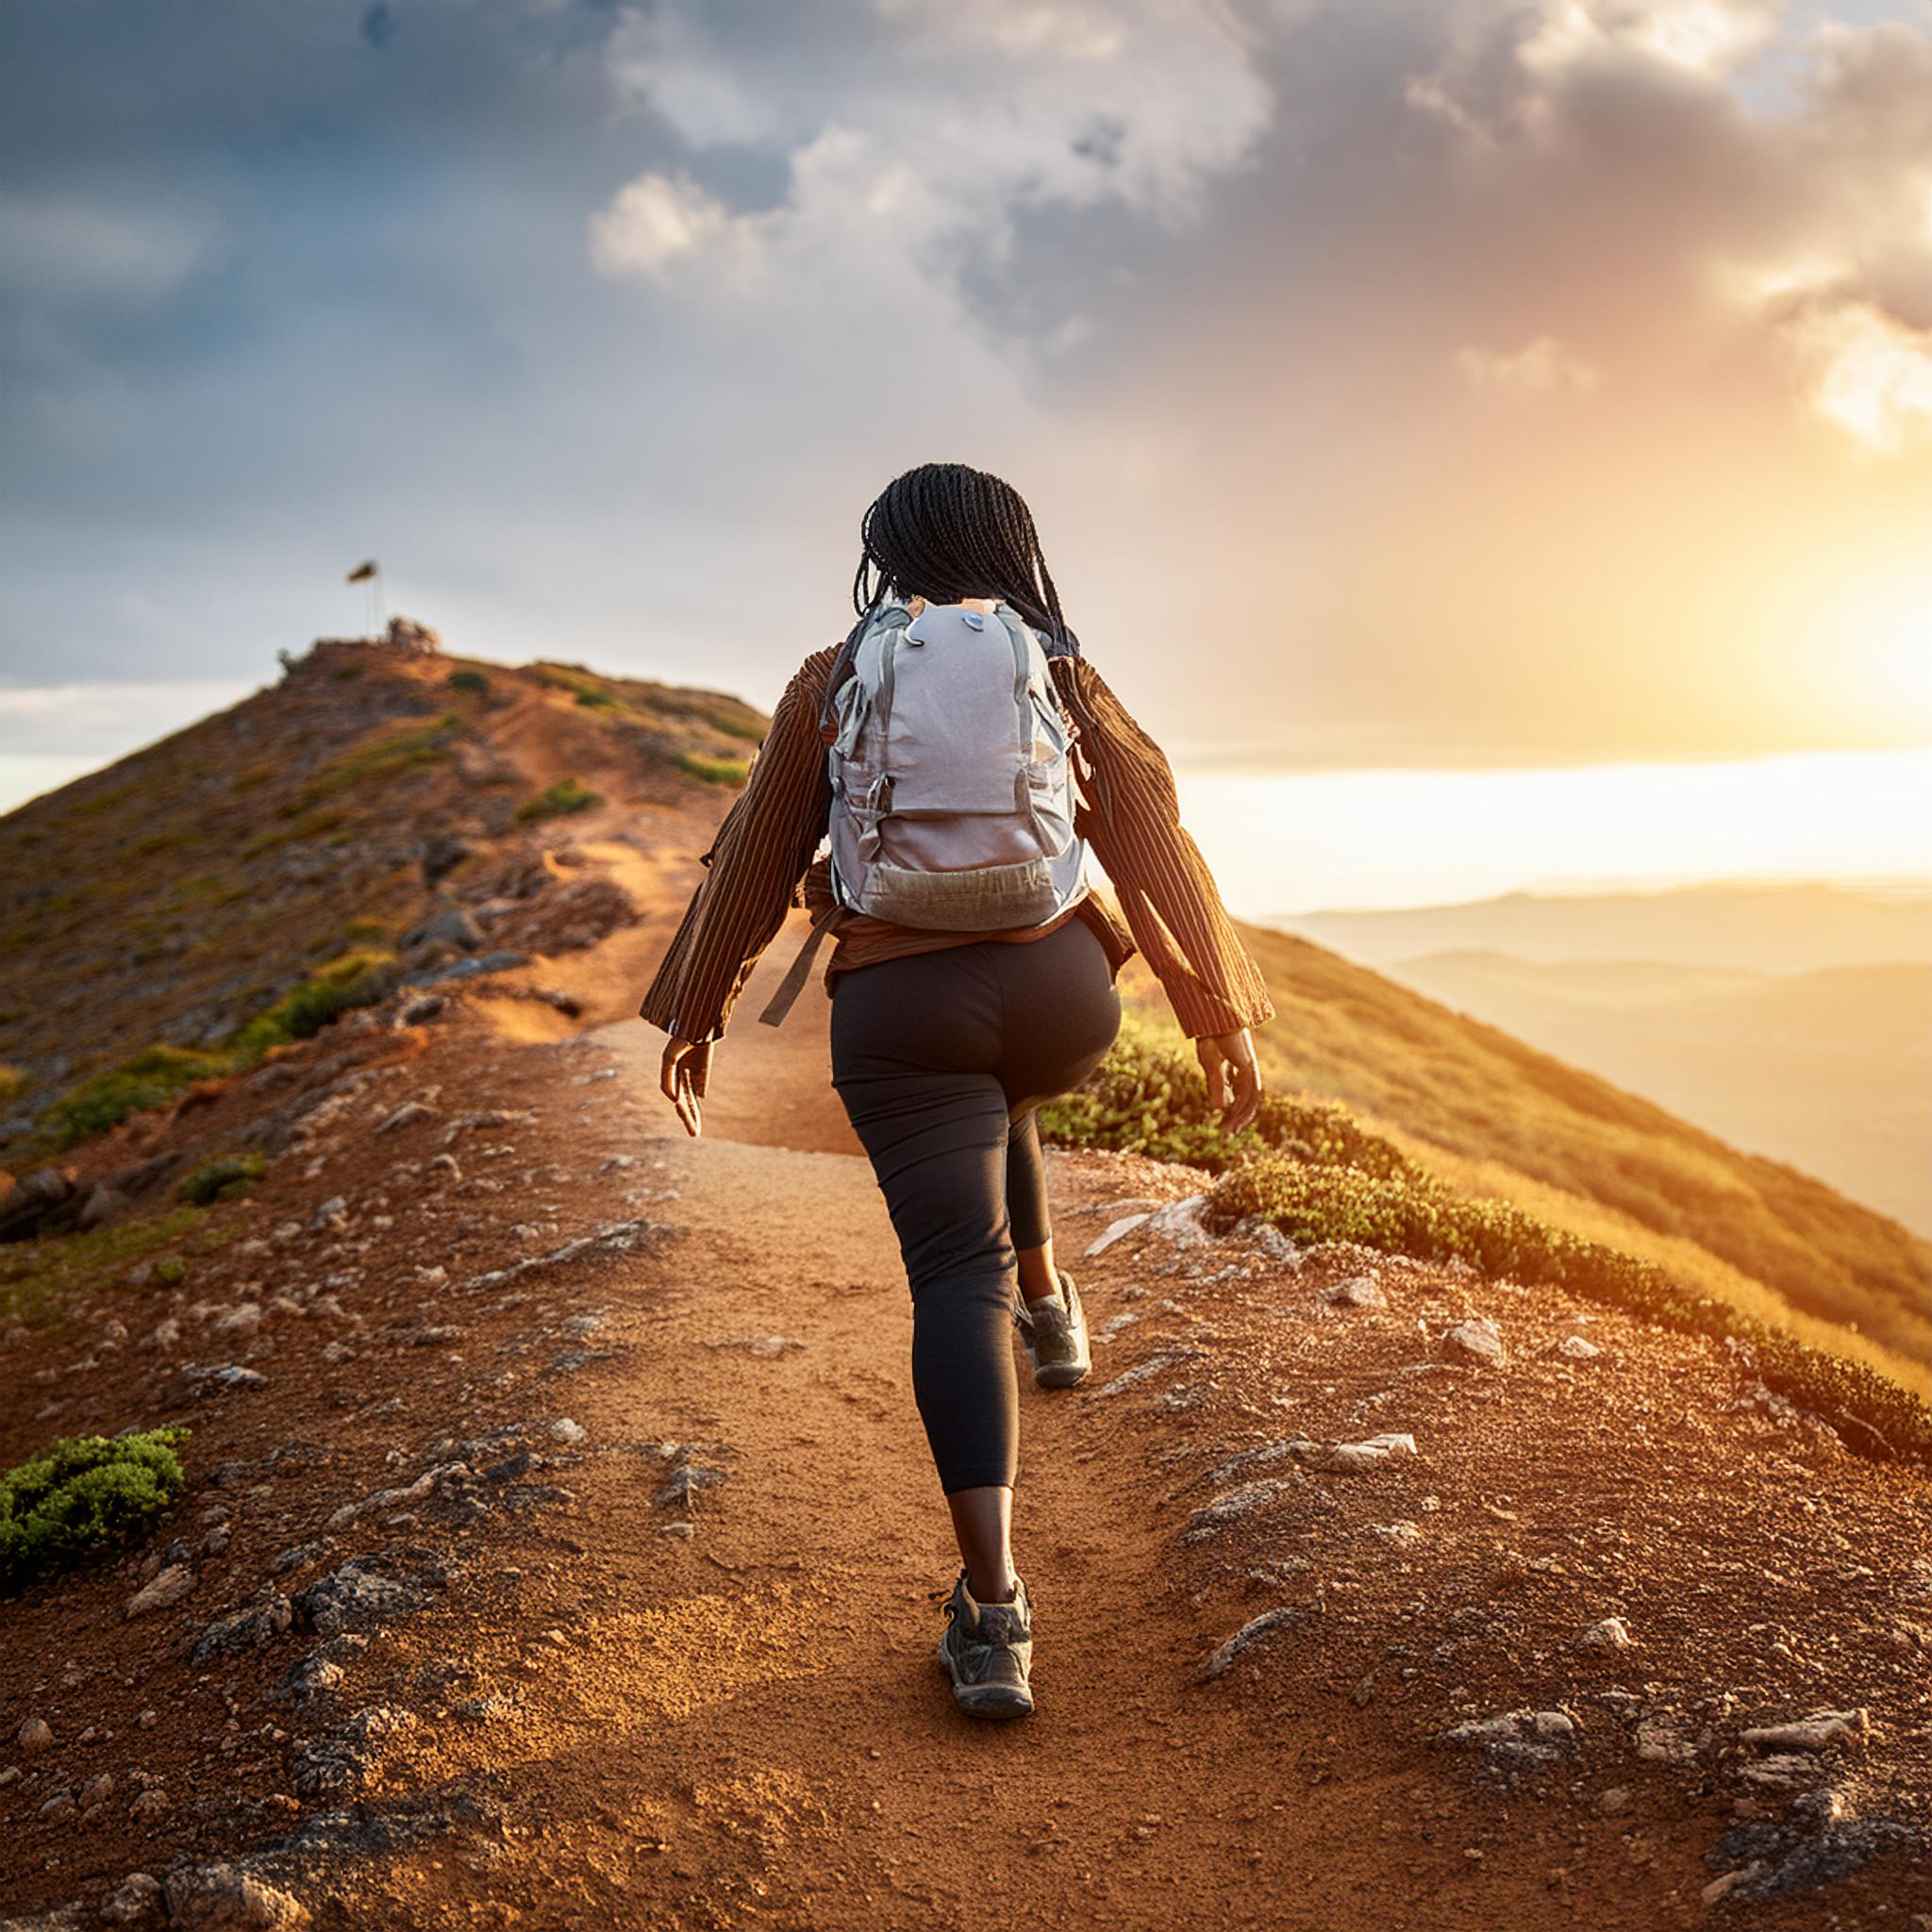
<point>1060,1375</point>
<point>985,1699</point>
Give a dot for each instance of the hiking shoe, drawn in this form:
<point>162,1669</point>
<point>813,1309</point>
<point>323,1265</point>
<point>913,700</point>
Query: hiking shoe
<point>987,1651</point>
<point>1055,1336</point>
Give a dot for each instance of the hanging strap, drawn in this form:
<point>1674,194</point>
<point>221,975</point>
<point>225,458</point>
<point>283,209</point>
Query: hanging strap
<point>794,983</point>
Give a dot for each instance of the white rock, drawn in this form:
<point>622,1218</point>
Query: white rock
<point>245,1318</point>
<point>1359,1291</point>
<point>1179,1222</point>
<point>1578,1349</point>
<point>1351,1459</point>
<point>1612,1633</point>
<point>1405,1536</point>
<point>168,1588</point>
<point>567,1431</point>
<point>1478,1339</point>
<point>1812,1733</point>
<point>1126,1224</point>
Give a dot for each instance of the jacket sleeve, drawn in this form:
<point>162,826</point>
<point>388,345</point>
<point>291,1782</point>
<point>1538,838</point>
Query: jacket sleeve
<point>760,853</point>
<point>1171,905</point>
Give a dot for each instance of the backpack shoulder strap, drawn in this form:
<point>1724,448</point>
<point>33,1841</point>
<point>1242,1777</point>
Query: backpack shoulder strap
<point>792,984</point>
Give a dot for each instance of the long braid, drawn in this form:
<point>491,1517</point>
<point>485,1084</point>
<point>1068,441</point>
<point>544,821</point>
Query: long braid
<point>946,531</point>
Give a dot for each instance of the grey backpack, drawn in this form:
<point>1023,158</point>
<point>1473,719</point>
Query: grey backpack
<point>953,788</point>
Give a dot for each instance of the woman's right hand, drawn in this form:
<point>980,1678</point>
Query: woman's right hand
<point>684,1077</point>
<point>1234,1078</point>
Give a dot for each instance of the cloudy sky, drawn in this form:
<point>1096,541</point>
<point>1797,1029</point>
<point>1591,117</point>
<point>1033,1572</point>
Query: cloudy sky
<point>1465,383</point>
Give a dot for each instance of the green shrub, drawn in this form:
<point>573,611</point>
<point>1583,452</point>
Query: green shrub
<point>1149,1097</point>
<point>356,979</point>
<point>594,699</point>
<point>1313,1171</point>
<point>84,1495</point>
<point>170,1270</point>
<point>152,1077</point>
<point>713,771</point>
<point>226,1179</point>
<point>11,1081</point>
<point>555,801</point>
<point>475,681</point>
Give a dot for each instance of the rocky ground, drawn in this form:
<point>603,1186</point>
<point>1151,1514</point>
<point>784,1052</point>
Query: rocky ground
<point>560,1550</point>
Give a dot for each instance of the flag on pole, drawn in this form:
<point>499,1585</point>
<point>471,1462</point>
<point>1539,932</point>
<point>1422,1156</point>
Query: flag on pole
<point>362,571</point>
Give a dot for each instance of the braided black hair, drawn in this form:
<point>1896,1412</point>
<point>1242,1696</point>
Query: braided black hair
<point>946,532</point>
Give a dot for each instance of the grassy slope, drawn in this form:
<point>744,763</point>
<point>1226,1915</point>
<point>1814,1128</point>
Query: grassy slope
<point>176,895</point>
<point>1511,1120</point>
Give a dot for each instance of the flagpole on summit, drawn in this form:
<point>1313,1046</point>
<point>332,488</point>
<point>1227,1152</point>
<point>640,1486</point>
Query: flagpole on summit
<point>371,574</point>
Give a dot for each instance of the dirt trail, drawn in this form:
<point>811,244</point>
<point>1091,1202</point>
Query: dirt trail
<point>688,1680</point>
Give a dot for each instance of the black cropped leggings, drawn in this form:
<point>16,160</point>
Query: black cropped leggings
<point>940,1059</point>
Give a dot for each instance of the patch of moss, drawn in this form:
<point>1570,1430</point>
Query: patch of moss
<point>385,755</point>
<point>34,1274</point>
<point>712,771</point>
<point>154,1075</point>
<point>1319,1175</point>
<point>226,1179</point>
<point>356,979</point>
<point>11,1081</point>
<point>82,1495</point>
<point>158,1074</point>
<point>557,800</point>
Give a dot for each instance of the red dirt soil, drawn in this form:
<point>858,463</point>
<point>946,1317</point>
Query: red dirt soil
<point>661,1513</point>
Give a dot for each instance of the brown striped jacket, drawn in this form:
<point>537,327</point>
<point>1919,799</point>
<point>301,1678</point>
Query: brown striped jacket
<point>762,862</point>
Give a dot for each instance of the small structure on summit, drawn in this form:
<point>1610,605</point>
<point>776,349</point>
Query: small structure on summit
<point>407,635</point>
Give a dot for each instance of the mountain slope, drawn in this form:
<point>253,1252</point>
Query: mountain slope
<point>1831,1070</point>
<point>378,801</point>
<point>1350,1034</point>
<point>561,1549</point>
<point>175,896</point>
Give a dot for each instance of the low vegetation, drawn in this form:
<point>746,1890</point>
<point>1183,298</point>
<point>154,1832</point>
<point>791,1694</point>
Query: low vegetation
<point>151,1078</point>
<point>83,1495</point>
<point>355,979</point>
<point>1549,1134</point>
<point>557,800</point>
<point>474,682</point>
<point>1318,1175</point>
<point>713,771</point>
<point>42,1275</point>
<point>226,1179</point>
<point>158,1073</point>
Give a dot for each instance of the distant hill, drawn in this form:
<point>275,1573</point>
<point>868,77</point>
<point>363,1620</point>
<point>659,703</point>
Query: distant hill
<point>1793,928</point>
<point>1829,1070</point>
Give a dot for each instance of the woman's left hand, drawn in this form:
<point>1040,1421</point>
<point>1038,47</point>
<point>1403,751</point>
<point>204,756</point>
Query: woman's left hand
<point>685,1078</point>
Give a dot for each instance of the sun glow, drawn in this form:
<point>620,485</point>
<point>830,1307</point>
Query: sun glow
<point>1296,841</point>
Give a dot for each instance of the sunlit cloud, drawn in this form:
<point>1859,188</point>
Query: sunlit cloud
<point>995,110</point>
<point>1536,369</point>
<point>1868,372</point>
<point>1700,36</point>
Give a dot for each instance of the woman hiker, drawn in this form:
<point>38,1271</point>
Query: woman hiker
<point>945,1040</point>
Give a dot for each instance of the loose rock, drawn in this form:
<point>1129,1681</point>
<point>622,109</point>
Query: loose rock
<point>1477,1340</point>
<point>226,1898</point>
